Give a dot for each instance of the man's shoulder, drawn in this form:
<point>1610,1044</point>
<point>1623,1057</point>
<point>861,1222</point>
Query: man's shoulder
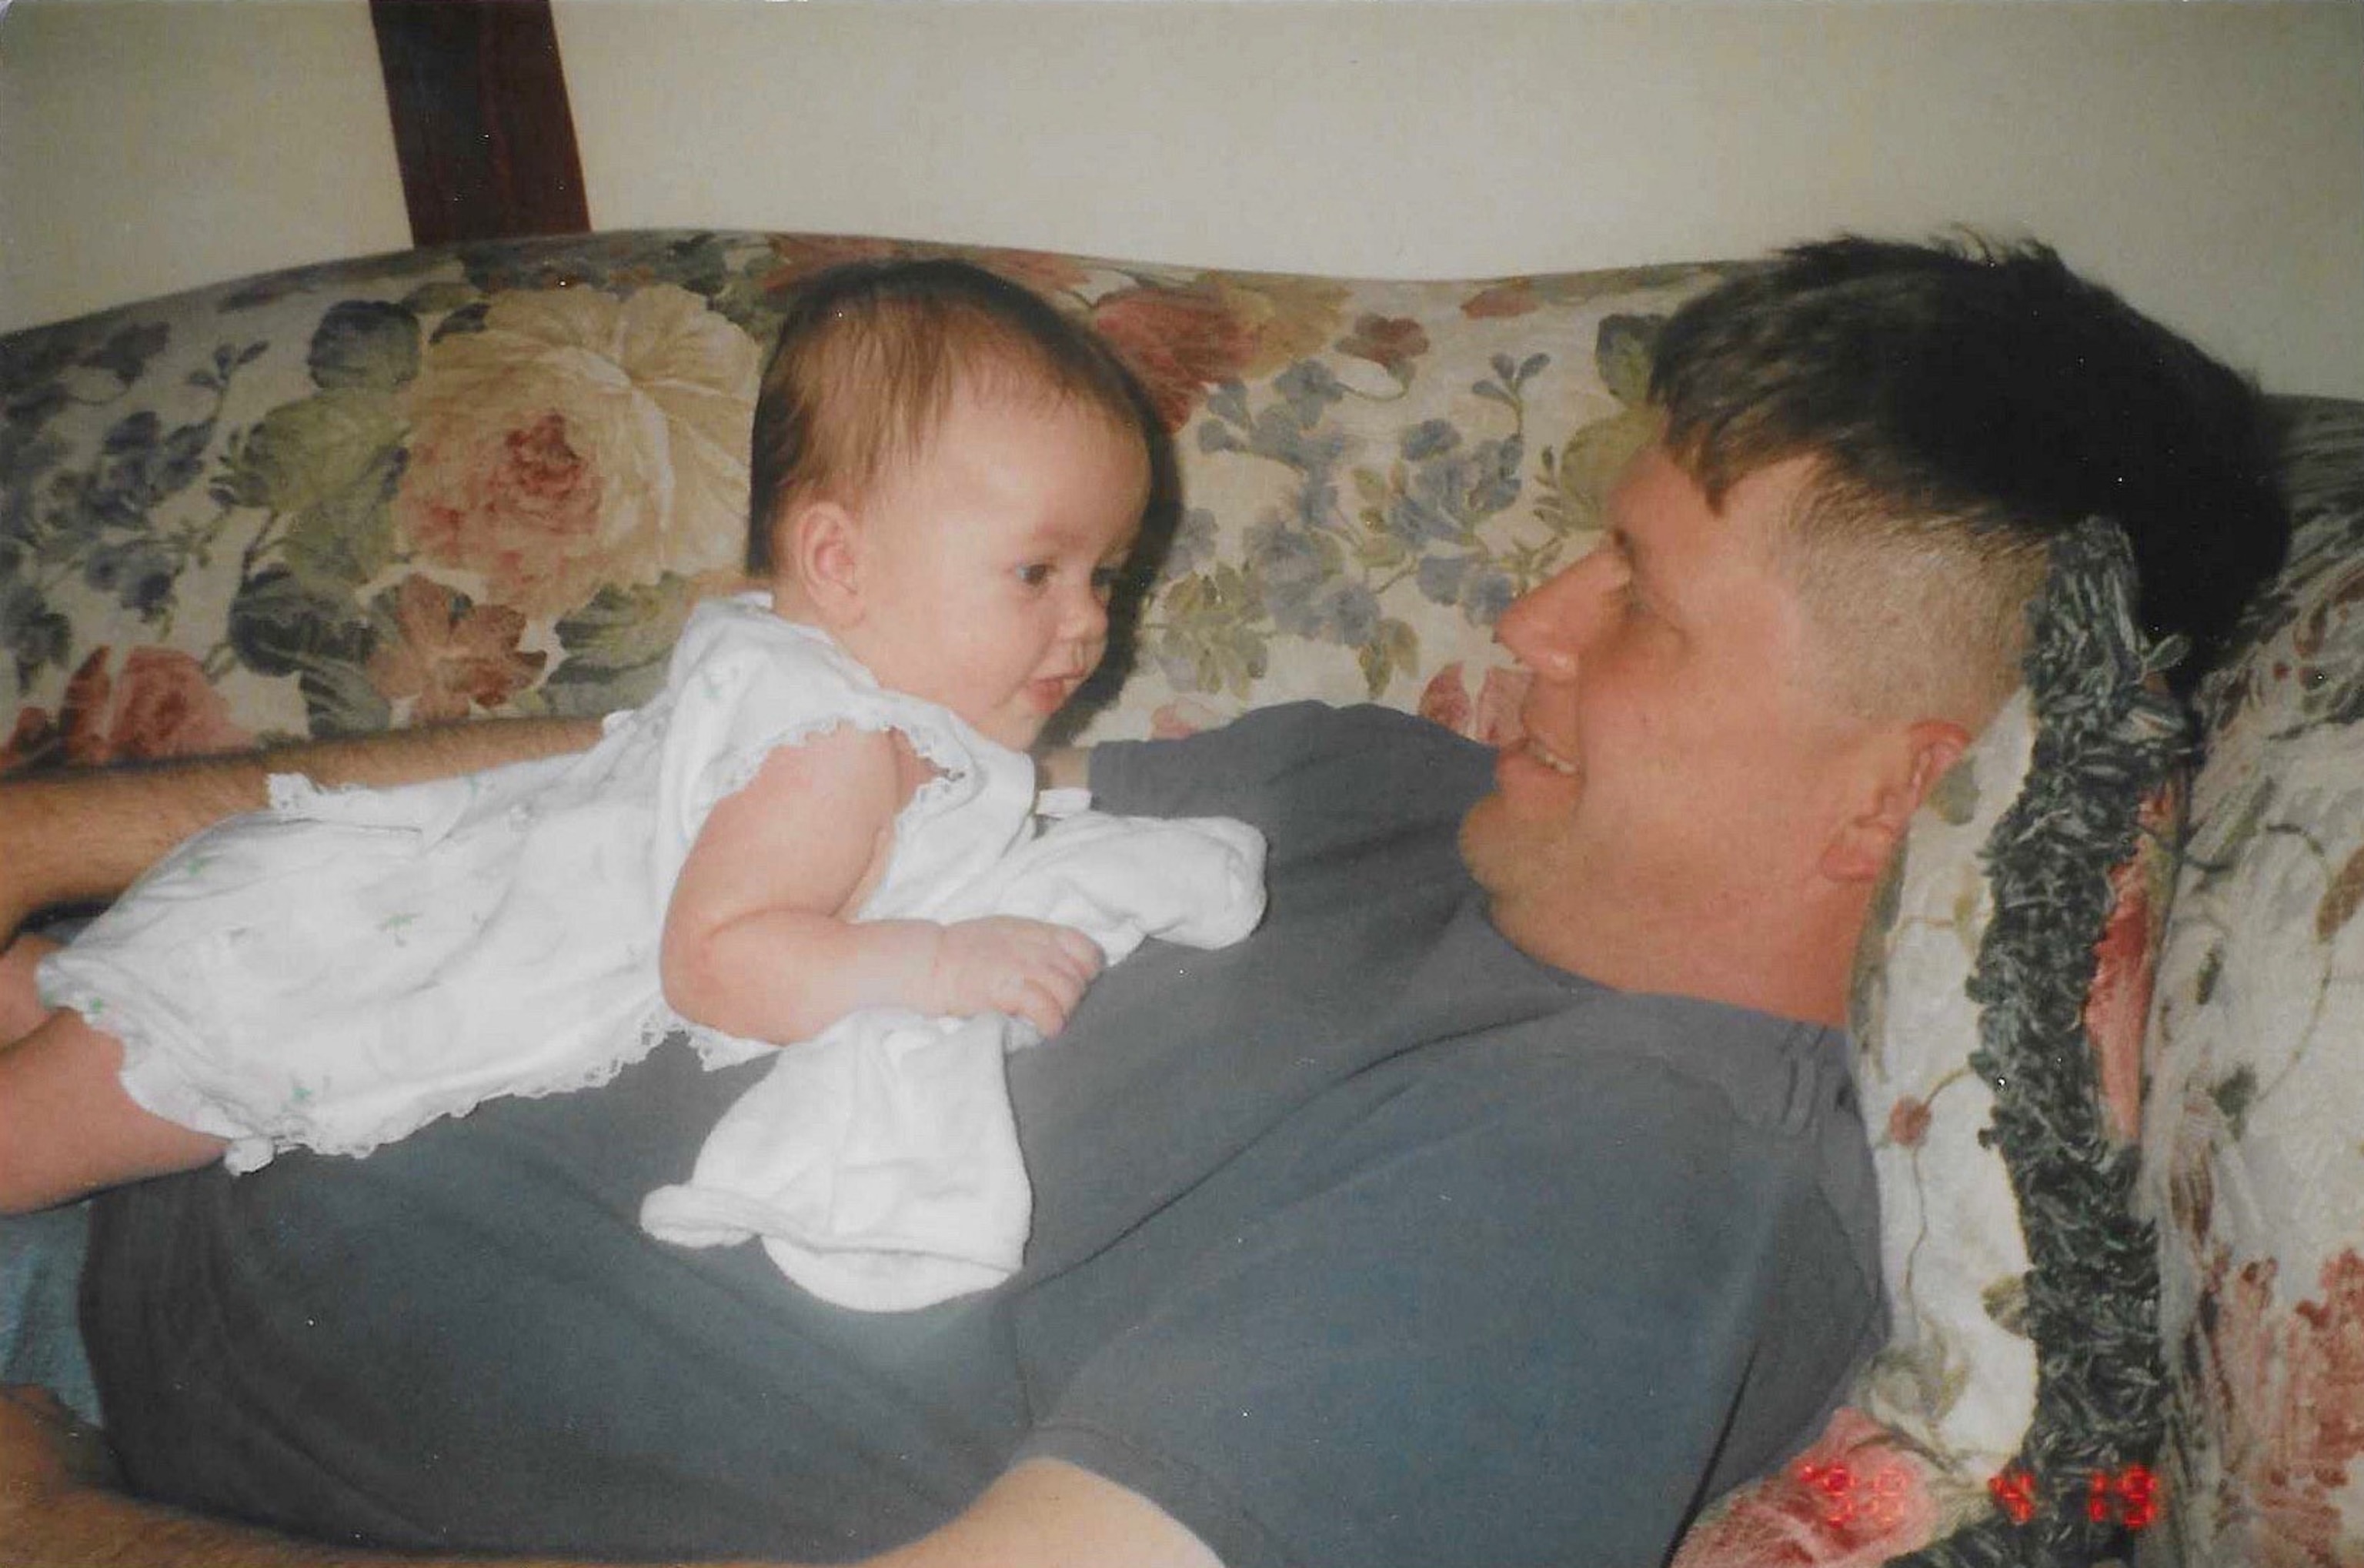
<point>1778,1075</point>
<point>1348,759</point>
<point>1313,727</point>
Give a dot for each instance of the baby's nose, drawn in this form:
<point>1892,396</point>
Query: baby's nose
<point>1087,616</point>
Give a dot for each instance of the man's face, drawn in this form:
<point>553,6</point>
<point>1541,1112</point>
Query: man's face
<point>1682,766</point>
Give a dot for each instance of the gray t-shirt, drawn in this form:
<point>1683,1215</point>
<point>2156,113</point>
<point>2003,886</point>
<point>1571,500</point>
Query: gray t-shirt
<point>1368,1243</point>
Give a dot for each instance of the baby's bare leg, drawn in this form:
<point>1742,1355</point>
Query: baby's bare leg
<point>68,1129</point>
<point>20,1000</point>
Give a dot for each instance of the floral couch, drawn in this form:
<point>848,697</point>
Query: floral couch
<point>493,479</point>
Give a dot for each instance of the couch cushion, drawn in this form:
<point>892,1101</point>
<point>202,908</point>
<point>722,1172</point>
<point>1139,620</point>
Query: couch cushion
<point>2250,1138</point>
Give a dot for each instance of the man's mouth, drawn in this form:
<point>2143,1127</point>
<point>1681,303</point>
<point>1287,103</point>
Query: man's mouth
<point>1549,758</point>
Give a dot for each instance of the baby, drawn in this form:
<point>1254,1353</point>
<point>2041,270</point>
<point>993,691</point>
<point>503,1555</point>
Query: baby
<point>815,818</point>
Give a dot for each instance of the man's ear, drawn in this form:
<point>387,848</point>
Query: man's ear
<point>823,541</point>
<point>1905,769</point>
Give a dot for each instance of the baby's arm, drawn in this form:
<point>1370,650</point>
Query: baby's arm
<point>758,938</point>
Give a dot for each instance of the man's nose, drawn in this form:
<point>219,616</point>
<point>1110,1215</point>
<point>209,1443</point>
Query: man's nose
<point>1544,627</point>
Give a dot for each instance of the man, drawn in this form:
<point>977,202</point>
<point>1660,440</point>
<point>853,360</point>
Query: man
<point>1501,1202</point>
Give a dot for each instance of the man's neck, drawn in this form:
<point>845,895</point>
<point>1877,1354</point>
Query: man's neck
<point>1799,964</point>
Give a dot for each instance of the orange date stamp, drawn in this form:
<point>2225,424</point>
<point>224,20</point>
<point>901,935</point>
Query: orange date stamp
<point>1876,1497</point>
<point>2127,1497</point>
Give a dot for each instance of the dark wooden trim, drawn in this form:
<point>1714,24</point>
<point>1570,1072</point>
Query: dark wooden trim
<point>480,122</point>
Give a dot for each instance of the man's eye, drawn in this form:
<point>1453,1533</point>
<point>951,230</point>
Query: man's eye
<point>1035,573</point>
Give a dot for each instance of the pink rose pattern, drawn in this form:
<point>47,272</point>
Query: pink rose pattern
<point>158,702</point>
<point>579,439</point>
<point>1390,342</point>
<point>2287,1386</point>
<point>2117,1008</point>
<point>1853,1499</point>
<point>1179,341</point>
<point>450,658</point>
<point>511,504</point>
<point>1908,1123</point>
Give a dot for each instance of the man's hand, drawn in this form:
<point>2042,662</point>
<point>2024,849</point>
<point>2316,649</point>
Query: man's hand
<point>1030,969</point>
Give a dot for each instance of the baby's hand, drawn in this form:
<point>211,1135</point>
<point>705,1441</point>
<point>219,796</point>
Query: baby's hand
<point>1031,968</point>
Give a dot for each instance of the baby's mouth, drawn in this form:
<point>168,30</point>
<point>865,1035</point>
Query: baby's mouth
<point>1055,690</point>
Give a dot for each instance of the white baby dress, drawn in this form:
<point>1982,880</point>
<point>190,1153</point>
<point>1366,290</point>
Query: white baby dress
<point>879,1163</point>
<point>348,965</point>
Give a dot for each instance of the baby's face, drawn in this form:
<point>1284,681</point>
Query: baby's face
<point>989,559</point>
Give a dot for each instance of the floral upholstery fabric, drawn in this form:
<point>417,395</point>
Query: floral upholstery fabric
<point>2253,1158</point>
<point>446,484</point>
<point>480,479</point>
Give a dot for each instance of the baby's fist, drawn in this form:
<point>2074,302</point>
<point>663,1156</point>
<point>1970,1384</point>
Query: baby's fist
<point>1030,969</point>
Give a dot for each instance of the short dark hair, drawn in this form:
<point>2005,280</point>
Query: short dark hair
<point>1974,401</point>
<point>866,361</point>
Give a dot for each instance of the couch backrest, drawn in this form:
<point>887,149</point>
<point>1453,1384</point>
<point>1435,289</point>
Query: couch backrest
<point>488,479</point>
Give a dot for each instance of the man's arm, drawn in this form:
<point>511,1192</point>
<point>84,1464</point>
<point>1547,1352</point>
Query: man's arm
<point>1065,767</point>
<point>81,835</point>
<point>1042,1514</point>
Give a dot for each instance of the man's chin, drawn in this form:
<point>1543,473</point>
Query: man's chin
<point>1508,849</point>
<point>1487,845</point>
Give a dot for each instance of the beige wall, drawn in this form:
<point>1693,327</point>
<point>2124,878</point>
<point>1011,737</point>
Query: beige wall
<point>155,146</point>
<point>2206,158</point>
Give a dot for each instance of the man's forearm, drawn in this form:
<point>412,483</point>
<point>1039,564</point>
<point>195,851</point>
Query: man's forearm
<point>60,1508</point>
<point>102,1529</point>
<point>57,1509</point>
<point>93,1529</point>
<point>85,835</point>
<point>1044,1514</point>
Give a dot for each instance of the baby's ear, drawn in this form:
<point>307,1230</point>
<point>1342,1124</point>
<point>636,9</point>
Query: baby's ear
<point>823,544</point>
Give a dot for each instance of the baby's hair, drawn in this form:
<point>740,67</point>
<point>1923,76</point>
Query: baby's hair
<point>867,361</point>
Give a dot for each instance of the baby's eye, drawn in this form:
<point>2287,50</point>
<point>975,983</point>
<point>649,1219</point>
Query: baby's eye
<point>1105,580</point>
<point>1034,574</point>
